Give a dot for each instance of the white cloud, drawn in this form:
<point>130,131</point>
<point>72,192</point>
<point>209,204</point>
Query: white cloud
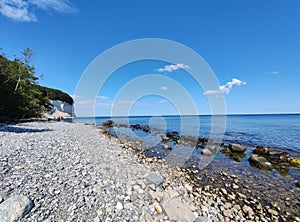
<point>225,89</point>
<point>274,72</point>
<point>172,68</point>
<point>162,101</point>
<point>102,97</point>
<point>163,88</point>
<point>21,10</point>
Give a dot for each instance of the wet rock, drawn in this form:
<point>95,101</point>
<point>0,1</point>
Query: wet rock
<point>298,184</point>
<point>15,208</point>
<point>279,158</point>
<point>165,139</point>
<point>176,210</point>
<point>206,152</point>
<point>261,150</point>
<point>174,135</point>
<point>238,148</point>
<point>166,147</point>
<point>260,162</point>
<point>202,142</point>
<point>108,123</point>
<point>236,156</point>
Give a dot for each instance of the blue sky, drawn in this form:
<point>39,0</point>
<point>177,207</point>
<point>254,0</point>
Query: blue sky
<point>252,46</point>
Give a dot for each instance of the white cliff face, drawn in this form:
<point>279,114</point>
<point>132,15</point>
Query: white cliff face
<point>59,109</point>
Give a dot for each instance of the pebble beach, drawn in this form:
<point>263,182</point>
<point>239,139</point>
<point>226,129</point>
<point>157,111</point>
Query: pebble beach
<point>57,171</point>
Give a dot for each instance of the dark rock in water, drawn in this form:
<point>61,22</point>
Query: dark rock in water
<point>238,148</point>
<point>136,126</point>
<point>174,135</point>
<point>260,162</point>
<point>261,150</point>
<point>15,208</point>
<point>165,139</point>
<point>189,140</point>
<point>279,158</point>
<point>166,147</point>
<point>236,156</point>
<point>140,127</point>
<point>298,184</point>
<point>108,123</point>
<point>202,142</point>
<point>283,169</point>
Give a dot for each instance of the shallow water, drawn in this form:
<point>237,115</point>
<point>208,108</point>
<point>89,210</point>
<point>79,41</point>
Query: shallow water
<point>282,131</point>
<point>272,130</point>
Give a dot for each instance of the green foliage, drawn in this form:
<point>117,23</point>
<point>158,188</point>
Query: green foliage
<point>20,95</point>
<point>55,94</point>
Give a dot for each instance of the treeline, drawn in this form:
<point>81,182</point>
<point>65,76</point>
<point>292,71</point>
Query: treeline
<point>21,97</point>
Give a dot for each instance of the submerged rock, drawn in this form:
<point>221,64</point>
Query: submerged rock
<point>206,152</point>
<point>15,208</point>
<point>238,148</point>
<point>236,156</point>
<point>209,150</point>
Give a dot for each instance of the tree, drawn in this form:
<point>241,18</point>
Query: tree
<point>19,95</point>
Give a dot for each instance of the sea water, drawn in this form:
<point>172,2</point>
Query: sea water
<point>271,130</point>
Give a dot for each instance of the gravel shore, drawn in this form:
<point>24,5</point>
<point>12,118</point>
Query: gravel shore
<point>73,172</point>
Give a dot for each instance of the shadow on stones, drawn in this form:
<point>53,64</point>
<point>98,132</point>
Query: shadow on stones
<point>14,129</point>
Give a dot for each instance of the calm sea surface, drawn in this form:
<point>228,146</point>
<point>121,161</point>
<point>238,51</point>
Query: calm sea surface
<point>272,130</point>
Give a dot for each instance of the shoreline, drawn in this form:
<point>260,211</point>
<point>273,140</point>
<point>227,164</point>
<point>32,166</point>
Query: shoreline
<point>73,171</point>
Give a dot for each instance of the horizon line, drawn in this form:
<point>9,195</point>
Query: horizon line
<point>169,115</point>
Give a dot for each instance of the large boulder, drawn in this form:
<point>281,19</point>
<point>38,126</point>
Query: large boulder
<point>260,162</point>
<point>261,150</point>
<point>14,208</point>
<point>108,123</point>
<point>238,148</point>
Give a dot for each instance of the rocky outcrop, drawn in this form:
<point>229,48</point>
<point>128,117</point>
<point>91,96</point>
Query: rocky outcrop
<point>260,162</point>
<point>60,109</point>
<point>14,208</point>
<point>238,148</point>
